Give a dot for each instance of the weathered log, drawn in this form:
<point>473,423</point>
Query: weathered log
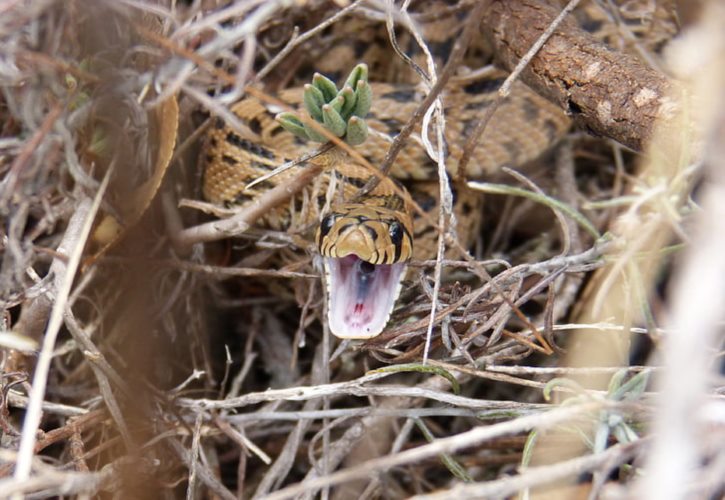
<point>609,93</point>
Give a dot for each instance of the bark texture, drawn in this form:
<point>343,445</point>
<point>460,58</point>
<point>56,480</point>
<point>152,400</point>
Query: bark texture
<point>609,93</point>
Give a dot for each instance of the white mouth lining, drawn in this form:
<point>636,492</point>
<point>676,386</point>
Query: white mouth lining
<point>339,300</point>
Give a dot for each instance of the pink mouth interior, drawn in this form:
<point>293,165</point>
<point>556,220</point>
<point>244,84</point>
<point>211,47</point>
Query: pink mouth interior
<point>361,295</point>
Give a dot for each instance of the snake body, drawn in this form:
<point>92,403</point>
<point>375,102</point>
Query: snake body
<point>367,244</point>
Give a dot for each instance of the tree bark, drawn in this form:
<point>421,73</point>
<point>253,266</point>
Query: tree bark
<point>609,93</point>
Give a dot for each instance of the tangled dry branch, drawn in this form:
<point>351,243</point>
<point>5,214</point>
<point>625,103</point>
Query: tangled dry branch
<point>163,352</point>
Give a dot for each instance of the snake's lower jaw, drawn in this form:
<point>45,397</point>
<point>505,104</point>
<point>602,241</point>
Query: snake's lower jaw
<point>360,295</point>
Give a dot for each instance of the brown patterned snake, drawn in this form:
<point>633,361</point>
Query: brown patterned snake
<point>366,245</point>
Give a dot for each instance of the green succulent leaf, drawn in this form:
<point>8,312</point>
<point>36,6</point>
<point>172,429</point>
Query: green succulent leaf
<point>325,85</point>
<point>337,103</point>
<point>291,123</point>
<point>357,131</point>
<point>616,382</point>
<point>313,100</point>
<point>601,437</point>
<point>350,98</point>
<point>314,134</point>
<point>633,388</point>
<point>557,382</point>
<point>625,434</point>
<point>359,73</point>
<point>341,112</point>
<point>315,94</point>
<point>364,100</point>
<point>332,120</point>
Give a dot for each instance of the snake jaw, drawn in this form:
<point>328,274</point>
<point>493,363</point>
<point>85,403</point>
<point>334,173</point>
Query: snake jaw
<point>361,296</point>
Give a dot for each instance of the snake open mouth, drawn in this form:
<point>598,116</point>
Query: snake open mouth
<point>361,295</point>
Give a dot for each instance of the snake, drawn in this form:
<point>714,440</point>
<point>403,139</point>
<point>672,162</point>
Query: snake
<point>366,243</point>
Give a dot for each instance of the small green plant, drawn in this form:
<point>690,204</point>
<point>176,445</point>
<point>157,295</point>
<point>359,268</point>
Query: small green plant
<point>341,112</point>
<point>608,422</point>
<point>600,425</point>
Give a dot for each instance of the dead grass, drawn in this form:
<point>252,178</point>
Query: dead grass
<point>142,355</point>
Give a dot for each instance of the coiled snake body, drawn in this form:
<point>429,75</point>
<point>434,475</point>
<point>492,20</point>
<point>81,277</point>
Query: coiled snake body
<point>366,244</point>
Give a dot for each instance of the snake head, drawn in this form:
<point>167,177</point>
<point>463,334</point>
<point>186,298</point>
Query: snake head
<point>365,251</point>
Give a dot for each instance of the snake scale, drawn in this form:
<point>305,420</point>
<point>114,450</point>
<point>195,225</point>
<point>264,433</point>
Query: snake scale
<point>365,245</point>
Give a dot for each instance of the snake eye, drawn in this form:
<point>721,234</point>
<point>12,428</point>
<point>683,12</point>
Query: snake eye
<point>326,224</point>
<point>396,233</point>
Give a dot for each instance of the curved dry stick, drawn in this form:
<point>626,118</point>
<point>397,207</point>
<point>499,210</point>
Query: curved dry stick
<point>233,226</point>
